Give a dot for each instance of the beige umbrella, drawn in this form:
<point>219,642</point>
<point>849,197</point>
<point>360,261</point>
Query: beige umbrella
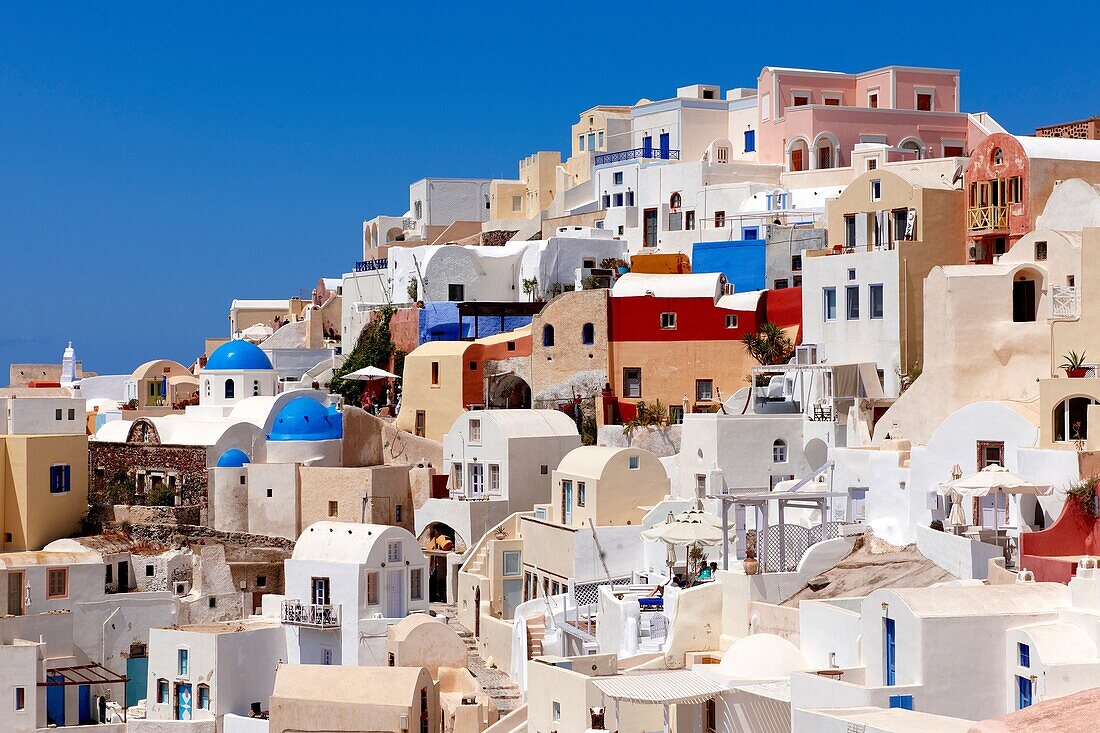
<point>367,374</point>
<point>956,518</point>
<point>686,533</point>
<point>698,515</point>
<point>994,479</point>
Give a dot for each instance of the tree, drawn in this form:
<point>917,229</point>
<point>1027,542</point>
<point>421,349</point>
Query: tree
<point>769,344</point>
<point>374,347</point>
<point>645,416</point>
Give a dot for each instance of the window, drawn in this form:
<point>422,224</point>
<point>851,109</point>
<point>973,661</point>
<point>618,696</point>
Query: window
<point>162,692</point>
<point>618,199</point>
<point>633,463</point>
<point>588,334</point>
<point>668,320</point>
<point>456,292</point>
<point>599,140</point>
<point>796,263</point>
<point>270,493</point>
<point>852,302</point>
<point>512,562</point>
<point>206,382</point>
<point>924,101</point>
<point>1040,251</point>
<point>632,382</point>
<point>72,414</point>
<point>591,141</point>
<point>689,221</point>
<point>472,366</point>
<point>333,508</point>
<point>831,100</point>
<point>580,145</point>
<point>900,222</point>
<point>675,200</point>
<point>750,233</point>
<point>849,230</point>
<point>675,221</point>
<point>829,303</point>
<point>607,201</point>
<point>393,552</point>
<point>874,298</point>
<point>109,573</point>
<point>261,581</point>
<point>719,219</point>
<point>851,274</point>
<point>872,100</point>
<point>547,335</point>
<point>57,583</point>
<point>954,151</point>
<point>60,479</point>
<point>800,99</point>
<point>517,203</point>
<point>494,478</point>
<point>872,164</point>
<point>580,493</point>
<point>255,388</point>
<point>183,660</point>
<point>435,373</point>
<point>710,716</point>
<point>998,156</point>
<point>750,141</point>
<point>150,571</point>
<point>780,284</point>
<point>204,697</point>
<point>544,469</point>
<point>20,699</point>
<point>905,702</point>
<point>557,710</point>
<point>372,589</point>
<point>397,513</point>
<point>722,154</point>
<point>57,414</point>
<point>876,189</point>
<point>416,584</point>
<point>629,199</point>
<point>1023,652</point>
<point>675,414</point>
<point>731,320</point>
<point>1015,190</point>
<point>1071,419</point>
<point>765,107</point>
<point>475,431</point>
<point>229,389</point>
<point>326,656</point>
<point>779,451</point>
<point>617,178</point>
<point>704,390</point>
<point>700,484</point>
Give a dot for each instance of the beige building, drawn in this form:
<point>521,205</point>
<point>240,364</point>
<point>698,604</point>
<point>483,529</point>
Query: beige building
<point>601,129</point>
<point>575,364</point>
<point>561,692</point>
<point>162,383</point>
<point>341,699</point>
<point>610,486</point>
<point>367,495</point>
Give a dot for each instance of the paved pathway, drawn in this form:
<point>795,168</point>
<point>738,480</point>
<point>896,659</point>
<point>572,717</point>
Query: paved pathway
<point>495,681</point>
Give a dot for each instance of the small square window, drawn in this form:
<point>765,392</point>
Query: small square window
<point>261,581</point>
<point>633,463</point>
<point>1040,251</point>
<point>511,346</point>
<point>333,508</point>
<point>796,263</point>
<point>731,320</point>
<point>872,164</point>
<point>618,178</point>
<point>270,493</point>
<point>150,571</point>
<point>473,366</point>
<point>393,552</point>
<point>668,320</point>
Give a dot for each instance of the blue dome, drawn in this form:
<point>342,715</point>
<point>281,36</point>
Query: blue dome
<point>235,356</point>
<point>233,458</point>
<point>304,418</point>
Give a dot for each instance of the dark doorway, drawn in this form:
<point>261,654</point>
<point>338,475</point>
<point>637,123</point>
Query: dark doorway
<point>1023,301</point>
<point>650,233</point>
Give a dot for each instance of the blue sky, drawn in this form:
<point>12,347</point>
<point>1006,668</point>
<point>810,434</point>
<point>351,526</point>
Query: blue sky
<point>156,162</point>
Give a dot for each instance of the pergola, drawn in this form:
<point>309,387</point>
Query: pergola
<point>478,309</point>
<point>84,674</point>
<point>680,687</point>
<point>760,501</point>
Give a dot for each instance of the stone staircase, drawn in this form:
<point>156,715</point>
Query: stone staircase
<point>495,682</point>
<point>536,632</point>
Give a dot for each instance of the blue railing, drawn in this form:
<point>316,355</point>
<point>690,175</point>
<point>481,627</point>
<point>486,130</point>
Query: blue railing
<point>621,156</point>
<point>371,265</point>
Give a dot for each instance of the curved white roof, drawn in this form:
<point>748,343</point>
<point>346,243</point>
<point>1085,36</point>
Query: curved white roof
<point>746,301</point>
<point>344,542</point>
<point>983,600</point>
<point>591,460</point>
<point>762,657</point>
<point>1060,148</point>
<point>1062,643</point>
<point>527,423</point>
<point>695,285</point>
<point>172,429</point>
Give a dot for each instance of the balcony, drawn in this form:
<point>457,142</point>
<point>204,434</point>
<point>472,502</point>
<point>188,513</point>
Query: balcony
<point>622,156</point>
<point>987,217</point>
<point>371,265</point>
<point>314,615</point>
<point>1064,301</point>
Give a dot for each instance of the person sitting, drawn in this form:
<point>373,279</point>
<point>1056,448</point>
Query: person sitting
<point>708,571</point>
<point>657,592</point>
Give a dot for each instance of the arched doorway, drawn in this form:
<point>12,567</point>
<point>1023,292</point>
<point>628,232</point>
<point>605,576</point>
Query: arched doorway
<point>1071,419</point>
<point>913,145</point>
<point>1026,288</point>
<point>798,155</point>
<point>440,541</point>
<point>827,151</point>
<point>508,392</point>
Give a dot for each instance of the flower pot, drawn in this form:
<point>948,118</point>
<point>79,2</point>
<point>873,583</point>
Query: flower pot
<point>1078,373</point>
<point>501,535</point>
<point>751,566</point>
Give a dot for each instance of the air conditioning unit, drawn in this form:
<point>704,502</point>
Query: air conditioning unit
<point>806,354</point>
<point>976,252</point>
<point>181,587</point>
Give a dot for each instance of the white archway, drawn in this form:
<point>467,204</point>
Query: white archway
<point>798,154</point>
<point>826,151</point>
<point>914,144</point>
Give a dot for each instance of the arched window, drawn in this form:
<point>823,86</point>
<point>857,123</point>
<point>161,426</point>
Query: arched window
<point>547,335</point>
<point>255,387</point>
<point>915,146</point>
<point>1071,419</point>
<point>229,389</point>
<point>675,201</point>
<point>779,451</point>
<point>588,334</point>
<point>998,156</point>
<point>207,387</point>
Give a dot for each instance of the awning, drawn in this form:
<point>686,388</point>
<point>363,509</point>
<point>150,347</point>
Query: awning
<point>663,688</point>
<point>82,674</point>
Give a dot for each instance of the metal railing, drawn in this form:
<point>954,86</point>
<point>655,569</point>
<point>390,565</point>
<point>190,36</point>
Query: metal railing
<point>311,614</point>
<point>621,156</point>
<point>987,217</point>
<point>371,265</point>
<point>1064,301</point>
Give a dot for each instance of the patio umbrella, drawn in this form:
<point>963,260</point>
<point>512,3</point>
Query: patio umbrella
<point>994,479</point>
<point>677,533</point>
<point>698,515</point>
<point>956,518</point>
<point>367,374</point>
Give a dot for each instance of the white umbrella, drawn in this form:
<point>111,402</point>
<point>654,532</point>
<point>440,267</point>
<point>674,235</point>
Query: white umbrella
<point>991,479</point>
<point>956,518</point>
<point>698,515</point>
<point>367,374</point>
<point>679,533</point>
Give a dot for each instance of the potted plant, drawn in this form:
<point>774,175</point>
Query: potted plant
<point>750,563</point>
<point>1074,365</point>
<point>501,533</point>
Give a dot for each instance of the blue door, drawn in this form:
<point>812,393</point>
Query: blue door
<point>891,659</point>
<point>84,704</point>
<point>750,233</point>
<point>647,147</point>
<point>905,702</point>
<point>664,146</point>
<point>1023,692</point>
<point>55,700</point>
<point>137,672</point>
<point>183,701</point>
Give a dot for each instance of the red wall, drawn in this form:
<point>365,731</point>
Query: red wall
<point>697,319</point>
<point>784,308</point>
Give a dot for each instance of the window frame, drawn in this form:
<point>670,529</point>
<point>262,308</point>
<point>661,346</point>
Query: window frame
<point>779,451</point>
<point>416,584</point>
<point>50,574</point>
<point>668,321</point>
<point>700,384</point>
<point>871,290</point>
<point>851,303</point>
<point>183,662</point>
<point>828,303</point>
<point>636,392</point>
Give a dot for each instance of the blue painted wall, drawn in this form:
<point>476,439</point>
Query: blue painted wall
<point>741,261</point>
<point>439,322</point>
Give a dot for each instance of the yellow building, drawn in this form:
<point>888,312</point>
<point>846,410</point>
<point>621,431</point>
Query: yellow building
<point>610,486</point>
<point>44,485</point>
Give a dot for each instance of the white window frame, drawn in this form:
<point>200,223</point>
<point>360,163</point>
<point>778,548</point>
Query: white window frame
<point>475,432</point>
<point>765,106</point>
<point>668,321</point>
<point>838,96</point>
<point>808,94</point>
<point>877,94</point>
<point>779,451</point>
<point>876,189</point>
<point>930,91</point>
<point>825,303</point>
<point>731,320</point>
<point>393,551</point>
<point>494,478</point>
<point>871,301</point>
<point>511,562</point>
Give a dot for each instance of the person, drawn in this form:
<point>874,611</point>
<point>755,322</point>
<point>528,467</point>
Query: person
<point>658,592</point>
<point>707,573</point>
<point>677,581</point>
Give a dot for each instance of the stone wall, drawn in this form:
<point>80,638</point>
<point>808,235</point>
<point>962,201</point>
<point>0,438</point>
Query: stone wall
<point>137,514</point>
<point>188,463</point>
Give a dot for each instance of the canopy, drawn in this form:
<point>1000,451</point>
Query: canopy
<point>956,518</point>
<point>366,374</point>
<point>698,515</point>
<point>991,479</point>
<point>681,687</point>
<point>691,532</point>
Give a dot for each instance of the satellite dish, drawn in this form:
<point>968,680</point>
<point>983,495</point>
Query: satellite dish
<point>957,175</point>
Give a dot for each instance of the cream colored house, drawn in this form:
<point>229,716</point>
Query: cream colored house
<point>609,486</point>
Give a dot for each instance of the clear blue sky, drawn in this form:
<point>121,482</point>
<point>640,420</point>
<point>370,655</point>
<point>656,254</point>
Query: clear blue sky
<point>156,162</point>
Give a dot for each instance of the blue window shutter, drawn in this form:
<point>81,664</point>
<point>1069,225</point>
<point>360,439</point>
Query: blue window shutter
<point>905,702</point>
<point>750,141</point>
<point>65,479</point>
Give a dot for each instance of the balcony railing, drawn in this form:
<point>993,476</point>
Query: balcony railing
<point>1064,301</point>
<point>311,614</point>
<point>987,217</point>
<point>371,265</point>
<point>621,156</point>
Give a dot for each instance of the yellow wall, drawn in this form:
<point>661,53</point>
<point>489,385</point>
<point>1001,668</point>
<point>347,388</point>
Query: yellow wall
<point>1082,333</point>
<point>442,402</point>
<point>613,499</point>
<point>31,514</point>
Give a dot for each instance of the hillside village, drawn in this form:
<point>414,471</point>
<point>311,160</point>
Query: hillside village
<point>758,409</point>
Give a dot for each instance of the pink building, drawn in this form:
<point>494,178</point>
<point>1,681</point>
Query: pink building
<point>810,120</point>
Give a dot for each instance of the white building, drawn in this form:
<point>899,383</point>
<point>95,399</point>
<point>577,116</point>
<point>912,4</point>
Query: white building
<point>345,584</point>
<point>440,202</point>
